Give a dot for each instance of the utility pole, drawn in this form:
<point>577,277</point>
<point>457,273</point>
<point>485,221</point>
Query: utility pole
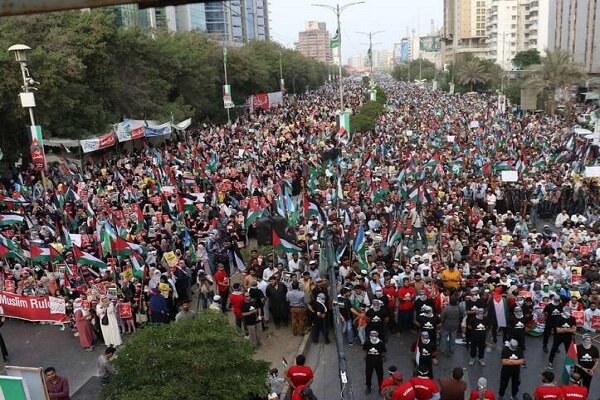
<point>281,81</point>
<point>370,35</point>
<point>226,88</point>
<point>338,11</point>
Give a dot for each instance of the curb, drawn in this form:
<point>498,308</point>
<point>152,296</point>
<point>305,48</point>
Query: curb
<point>303,349</point>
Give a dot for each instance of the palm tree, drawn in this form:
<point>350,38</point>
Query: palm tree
<point>556,71</point>
<point>471,73</point>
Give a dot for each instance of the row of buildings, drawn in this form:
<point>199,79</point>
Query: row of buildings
<point>231,22</point>
<point>499,29</point>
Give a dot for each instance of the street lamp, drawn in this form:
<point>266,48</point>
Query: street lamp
<point>338,10</point>
<point>28,101</point>
<point>370,35</point>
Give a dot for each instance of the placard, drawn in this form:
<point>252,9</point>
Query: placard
<point>578,315</point>
<point>592,172</point>
<point>171,259</point>
<point>596,321</point>
<point>34,380</point>
<point>509,176</point>
<point>125,311</point>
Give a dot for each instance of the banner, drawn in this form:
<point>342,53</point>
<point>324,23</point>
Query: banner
<point>227,102</point>
<point>430,43</point>
<point>32,308</point>
<point>264,101</point>
<point>99,143</point>
<point>125,132</point>
<point>158,130</point>
<point>38,157</point>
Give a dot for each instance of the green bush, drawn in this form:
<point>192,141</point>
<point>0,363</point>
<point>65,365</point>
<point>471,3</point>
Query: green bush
<point>203,358</point>
<point>365,118</point>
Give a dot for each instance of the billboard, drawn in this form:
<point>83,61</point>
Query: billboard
<point>429,43</point>
<point>404,49</point>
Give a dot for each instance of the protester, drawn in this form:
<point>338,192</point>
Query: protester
<point>574,389</point>
<point>82,317</point>
<point>252,316</point>
<point>588,360</point>
<point>481,392</point>
<point>548,390</point>
<point>105,369</point>
<point>375,351</point>
<point>299,375</point>
<point>57,386</point>
<point>185,313</point>
<point>453,388</point>
<point>512,360</point>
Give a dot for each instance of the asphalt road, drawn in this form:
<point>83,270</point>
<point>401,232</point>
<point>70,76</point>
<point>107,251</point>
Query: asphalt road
<point>35,345</point>
<point>323,358</point>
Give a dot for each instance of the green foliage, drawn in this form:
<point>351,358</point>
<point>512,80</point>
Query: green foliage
<point>365,118</point>
<point>204,358</point>
<point>556,71</point>
<point>412,70</point>
<point>525,58</point>
<point>92,74</point>
<point>471,73</point>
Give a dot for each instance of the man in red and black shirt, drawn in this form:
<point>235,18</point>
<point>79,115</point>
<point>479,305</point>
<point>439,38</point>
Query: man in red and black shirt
<point>299,374</point>
<point>222,281</point>
<point>406,305</point>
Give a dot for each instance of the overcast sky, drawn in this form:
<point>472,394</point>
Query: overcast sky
<point>288,17</point>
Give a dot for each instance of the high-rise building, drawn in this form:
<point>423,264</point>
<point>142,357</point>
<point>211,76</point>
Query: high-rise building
<point>233,22</point>
<point>464,29</point>
<point>238,21</point>
<point>314,42</point>
<point>575,27</point>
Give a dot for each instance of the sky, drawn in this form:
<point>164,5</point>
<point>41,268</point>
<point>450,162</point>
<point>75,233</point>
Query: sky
<point>395,17</point>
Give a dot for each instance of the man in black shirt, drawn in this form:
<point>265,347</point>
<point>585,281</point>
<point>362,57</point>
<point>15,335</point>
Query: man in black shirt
<point>552,312</point>
<point>587,360</point>
<point>428,321</point>
<point>374,355</point>
<point>512,359</point>
<point>478,326</point>
<point>426,356</point>
<point>565,328</point>
<point>378,317</point>
<point>251,314</point>
<point>516,326</point>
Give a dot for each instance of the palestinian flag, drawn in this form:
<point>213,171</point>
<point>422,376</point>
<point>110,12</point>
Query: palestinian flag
<point>65,238</point>
<point>540,162</point>
<point>403,191</point>
<point>570,361</point>
<point>281,244</point>
<point>43,254</point>
<point>186,202</point>
<point>254,211</point>
<point>11,219</point>
<point>396,235</point>
<point>310,207</point>
<point>237,259</point>
<point>84,258</point>
<point>4,251</point>
<point>121,247</point>
<point>503,166</point>
<point>414,194</point>
<point>382,193</point>
<point>72,195</point>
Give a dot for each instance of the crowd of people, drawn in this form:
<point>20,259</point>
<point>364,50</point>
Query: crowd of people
<point>428,234</point>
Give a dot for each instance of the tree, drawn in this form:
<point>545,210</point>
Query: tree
<point>414,69</point>
<point>203,358</point>
<point>556,71</point>
<point>525,58</point>
<point>471,72</point>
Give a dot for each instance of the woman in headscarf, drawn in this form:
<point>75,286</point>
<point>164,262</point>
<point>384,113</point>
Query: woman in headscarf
<point>108,322</point>
<point>82,318</point>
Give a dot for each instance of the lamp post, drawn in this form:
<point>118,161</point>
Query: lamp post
<point>370,35</point>
<point>28,101</point>
<point>338,11</point>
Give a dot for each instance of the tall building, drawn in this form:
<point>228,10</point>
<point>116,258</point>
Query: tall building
<point>464,29</point>
<point>233,22</point>
<point>575,27</point>
<point>314,42</point>
<point>238,21</point>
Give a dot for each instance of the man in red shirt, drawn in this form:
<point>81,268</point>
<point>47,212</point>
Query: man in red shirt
<point>548,390</point>
<point>404,390</point>
<point>482,392</point>
<point>425,387</point>
<point>406,297</point>
<point>389,291</point>
<point>574,390</point>
<point>389,381</point>
<point>299,374</point>
<point>236,298</point>
<point>58,387</point>
<point>222,281</point>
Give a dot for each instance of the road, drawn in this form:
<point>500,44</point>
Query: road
<point>35,345</point>
<point>323,358</point>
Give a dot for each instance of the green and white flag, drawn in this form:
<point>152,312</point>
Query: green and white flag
<point>335,41</point>
<point>10,219</point>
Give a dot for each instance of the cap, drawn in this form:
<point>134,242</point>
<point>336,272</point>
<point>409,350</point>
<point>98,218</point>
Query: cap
<point>513,344</point>
<point>321,296</point>
<point>217,298</point>
<point>374,333</point>
<point>482,383</point>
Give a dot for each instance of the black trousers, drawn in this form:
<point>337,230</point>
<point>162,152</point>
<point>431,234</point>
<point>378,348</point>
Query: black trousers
<point>510,374</point>
<point>3,348</point>
<point>405,320</point>
<point>224,297</point>
<point>558,340</point>
<point>477,348</point>
<point>319,327</point>
<point>586,379</point>
<point>548,330</point>
<point>374,364</point>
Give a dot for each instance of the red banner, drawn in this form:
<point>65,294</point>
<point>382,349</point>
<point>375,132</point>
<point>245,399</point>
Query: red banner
<point>32,308</point>
<point>596,321</point>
